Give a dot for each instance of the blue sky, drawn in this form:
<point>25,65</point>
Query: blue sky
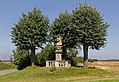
<point>11,10</point>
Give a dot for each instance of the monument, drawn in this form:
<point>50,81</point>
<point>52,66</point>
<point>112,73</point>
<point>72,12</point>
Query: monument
<point>58,62</point>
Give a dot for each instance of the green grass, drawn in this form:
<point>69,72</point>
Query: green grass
<point>73,74</point>
<point>107,81</point>
<point>5,65</point>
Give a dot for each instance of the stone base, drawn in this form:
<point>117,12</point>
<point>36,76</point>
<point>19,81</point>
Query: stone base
<point>58,63</point>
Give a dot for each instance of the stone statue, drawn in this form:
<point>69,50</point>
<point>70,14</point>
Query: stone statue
<point>58,48</point>
<point>58,40</point>
<point>58,62</point>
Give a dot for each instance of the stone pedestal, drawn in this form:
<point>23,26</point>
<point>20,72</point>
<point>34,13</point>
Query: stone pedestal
<point>62,63</point>
<point>50,63</point>
<point>58,56</point>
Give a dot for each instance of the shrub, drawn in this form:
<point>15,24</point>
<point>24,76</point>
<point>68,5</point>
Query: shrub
<point>75,61</point>
<point>48,53</point>
<point>92,60</point>
<point>71,52</point>
<point>21,59</point>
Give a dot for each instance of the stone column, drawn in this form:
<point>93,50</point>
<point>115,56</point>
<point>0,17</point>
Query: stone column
<point>58,55</point>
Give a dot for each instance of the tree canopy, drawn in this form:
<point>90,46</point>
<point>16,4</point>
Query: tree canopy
<point>90,28</point>
<point>30,31</point>
<point>84,26</point>
<point>62,26</point>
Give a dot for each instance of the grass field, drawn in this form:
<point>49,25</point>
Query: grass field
<point>72,74</point>
<point>6,66</point>
<point>106,65</point>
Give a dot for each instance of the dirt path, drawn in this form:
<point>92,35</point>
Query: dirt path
<point>7,71</point>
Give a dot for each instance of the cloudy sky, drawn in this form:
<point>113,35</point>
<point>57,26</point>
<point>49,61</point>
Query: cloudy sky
<point>11,10</point>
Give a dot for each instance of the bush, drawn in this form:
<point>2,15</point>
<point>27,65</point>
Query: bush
<point>48,53</point>
<point>92,60</point>
<point>21,59</point>
<point>75,61</point>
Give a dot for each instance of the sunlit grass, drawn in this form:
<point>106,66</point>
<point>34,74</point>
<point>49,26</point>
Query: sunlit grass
<point>6,65</point>
<point>43,74</point>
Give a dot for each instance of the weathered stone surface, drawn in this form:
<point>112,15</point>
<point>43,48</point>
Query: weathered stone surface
<point>58,56</point>
<point>58,40</point>
<point>56,63</point>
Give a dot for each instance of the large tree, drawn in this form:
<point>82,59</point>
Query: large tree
<point>90,28</point>
<point>30,32</point>
<point>61,26</point>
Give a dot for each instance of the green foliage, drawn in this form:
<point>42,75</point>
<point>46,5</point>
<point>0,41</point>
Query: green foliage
<point>71,52</point>
<point>21,59</point>
<point>71,55</point>
<point>48,53</point>
<point>61,26</point>
<point>75,61</point>
<point>30,31</point>
<point>92,60</point>
<point>89,26</point>
<point>52,69</point>
<point>6,65</point>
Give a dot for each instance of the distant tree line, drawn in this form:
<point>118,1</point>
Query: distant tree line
<point>83,27</point>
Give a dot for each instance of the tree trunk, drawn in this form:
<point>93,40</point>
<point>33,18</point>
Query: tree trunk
<point>64,53</point>
<point>85,51</point>
<point>32,56</point>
